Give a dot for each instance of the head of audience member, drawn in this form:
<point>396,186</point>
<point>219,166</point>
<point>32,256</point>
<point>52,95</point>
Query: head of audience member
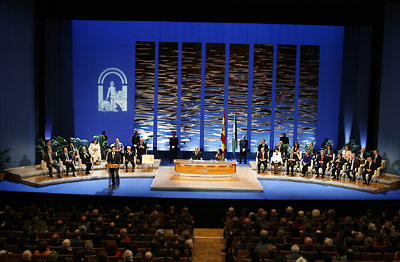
<point>295,249</point>
<point>128,149</point>
<point>128,256</point>
<point>66,244</point>
<point>148,256</point>
<point>308,241</point>
<point>27,255</point>
<point>77,234</point>
<point>328,242</point>
<point>111,247</point>
<point>42,246</point>
<point>289,210</point>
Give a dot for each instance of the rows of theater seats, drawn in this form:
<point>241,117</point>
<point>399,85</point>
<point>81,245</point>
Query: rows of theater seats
<point>65,233</point>
<point>311,235</point>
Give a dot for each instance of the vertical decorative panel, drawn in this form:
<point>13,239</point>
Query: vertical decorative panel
<point>167,93</point>
<point>285,92</point>
<point>308,95</point>
<point>190,96</point>
<point>214,95</point>
<point>262,95</point>
<point>238,89</point>
<point>144,89</point>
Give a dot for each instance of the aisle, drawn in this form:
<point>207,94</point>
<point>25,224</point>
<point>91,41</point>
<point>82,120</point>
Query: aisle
<point>208,244</point>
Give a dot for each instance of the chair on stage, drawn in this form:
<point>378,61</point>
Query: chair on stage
<point>377,173</point>
<point>148,160</point>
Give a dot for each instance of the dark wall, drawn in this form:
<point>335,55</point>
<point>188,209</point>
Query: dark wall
<point>17,99</point>
<point>389,120</point>
<point>356,76</point>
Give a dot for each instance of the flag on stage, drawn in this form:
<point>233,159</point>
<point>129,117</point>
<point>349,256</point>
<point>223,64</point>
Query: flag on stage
<point>223,134</point>
<point>234,134</point>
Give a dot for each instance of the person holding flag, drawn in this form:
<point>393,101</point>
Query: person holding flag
<point>223,135</point>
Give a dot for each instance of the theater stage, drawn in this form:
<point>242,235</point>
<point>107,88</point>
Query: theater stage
<point>140,185</point>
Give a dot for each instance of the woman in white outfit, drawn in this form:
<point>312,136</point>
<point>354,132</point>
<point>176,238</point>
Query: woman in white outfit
<point>276,160</point>
<point>94,150</point>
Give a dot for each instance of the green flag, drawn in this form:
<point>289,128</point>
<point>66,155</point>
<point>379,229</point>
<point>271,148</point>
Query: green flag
<point>234,134</point>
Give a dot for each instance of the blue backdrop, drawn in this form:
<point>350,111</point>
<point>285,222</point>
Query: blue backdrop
<point>104,65</point>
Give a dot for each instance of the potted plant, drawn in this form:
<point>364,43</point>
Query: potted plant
<point>4,161</point>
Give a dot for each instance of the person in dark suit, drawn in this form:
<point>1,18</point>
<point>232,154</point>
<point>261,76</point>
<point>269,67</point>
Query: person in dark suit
<point>292,159</point>
<point>86,159</point>
<point>119,148</point>
<point>312,149</point>
<point>377,158</point>
<point>114,157</point>
<point>321,162</point>
<point>243,144</point>
<point>72,150</point>
<point>369,169</point>
<point>48,145</point>
<point>351,167</point>
<point>129,158</point>
<point>196,154</point>
<point>284,139</point>
<point>68,161</point>
<point>173,147</point>
<point>263,145</point>
<point>282,149</point>
<point>141,150</point>
<point>362,156</point>
<point>135,141</point>
<point>262,158</point>
<point>306,161</point>
<point>337,166</point>
<point>50,159</point>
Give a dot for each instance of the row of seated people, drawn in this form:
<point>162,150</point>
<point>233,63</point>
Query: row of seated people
<point>324,237</point>
<point>68,232</point>
<point>337,164</point>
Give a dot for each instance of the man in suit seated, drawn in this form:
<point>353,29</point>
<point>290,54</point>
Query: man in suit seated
<point>262,158</point>
<point>263,145</point>
<point>50,159</point>
<point>86,159</point>
<point>243,144</point>
<point>68,161</point>
<point>141,150</point>
<point>48,145</point>
<point>363,155</point>
<point>196,154</point>
<point>129,158</point>
<point>291,161</point>
<point>337,166</point>
<point>369,169</point>
<point>351,167</point>
<point>377,158</point>
<point>321,162</point>
<point>114,157</point>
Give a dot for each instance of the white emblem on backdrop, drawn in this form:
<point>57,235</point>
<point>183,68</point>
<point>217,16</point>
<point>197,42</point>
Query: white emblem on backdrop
<point>117,95</point>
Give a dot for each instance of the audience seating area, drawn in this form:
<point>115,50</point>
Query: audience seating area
<point>311,235</point>
<point>65,233</point>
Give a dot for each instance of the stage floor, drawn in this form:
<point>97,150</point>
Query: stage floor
<point>244,180</point>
